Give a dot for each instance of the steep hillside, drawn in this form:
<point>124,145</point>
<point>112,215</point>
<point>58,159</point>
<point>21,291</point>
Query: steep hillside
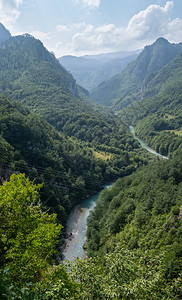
<point>31,75</point>
<point>134,232</point>
<point>89,71</point>
<point>168,80</point>
<point>138,221</point>
<point>129,85</point>
<point>25,62</point>
<point>67,168</point>
<point>158,118</point>
<point>4,34</point>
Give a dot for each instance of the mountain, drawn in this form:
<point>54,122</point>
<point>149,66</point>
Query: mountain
<point>168,80</point>
<point>105,57</point>
<point>91,70</point>
<point>32,76</point>
<point>158,115</point>
<point>129,85</point>
<point>4,34</point>
<point>134,232</point>
<point>28,144</point>
<point>30,63</point>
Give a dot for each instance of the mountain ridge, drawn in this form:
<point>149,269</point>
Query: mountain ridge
<point>128,86</point>
<point>4,33</point>
<point>90,70</point>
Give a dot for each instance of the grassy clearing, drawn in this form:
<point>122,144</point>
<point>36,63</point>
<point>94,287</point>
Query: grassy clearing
<point>176,132</point>
<point>102,155</point>
<point>168,116</point>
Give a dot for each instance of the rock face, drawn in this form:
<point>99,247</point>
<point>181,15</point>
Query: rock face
<point>4,33</point>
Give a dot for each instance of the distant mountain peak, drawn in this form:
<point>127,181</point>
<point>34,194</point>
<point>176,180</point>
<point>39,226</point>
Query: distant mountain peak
<point>4,33</point>
<point>161,40</point>
<point>27,35</point>
<point>129,85</point>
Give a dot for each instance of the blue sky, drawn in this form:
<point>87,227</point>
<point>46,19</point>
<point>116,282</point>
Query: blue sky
<point>81,27</point>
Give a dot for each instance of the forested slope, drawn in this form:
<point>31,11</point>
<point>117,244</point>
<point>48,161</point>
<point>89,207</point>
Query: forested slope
<point>30,145</point>
<point>33,76</point>
<point>142,214</point>
<point>134,240</point>
<point>130,84</point>
<point>134,232</point>
<point>70,169</point>
<point>158,116</point>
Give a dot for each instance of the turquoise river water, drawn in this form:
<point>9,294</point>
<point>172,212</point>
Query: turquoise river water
<point>144,145</point>
<point>76,226</point>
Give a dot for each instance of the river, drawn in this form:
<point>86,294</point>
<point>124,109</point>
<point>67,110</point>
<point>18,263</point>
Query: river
<point>144,145</point>
<point>76,228</point>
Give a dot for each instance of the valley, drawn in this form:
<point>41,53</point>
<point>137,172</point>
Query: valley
<point>76,226</point>
<point>61,144</point>
<point>144,145</point>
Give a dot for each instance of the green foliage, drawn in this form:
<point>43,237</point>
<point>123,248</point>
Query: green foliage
<point>142,211</point>
<point>29,144</point>
<point>31,75</point>
<point>28,239</point>
<point>130,85</point>
<point>28,235</point>
<point>125,274</point>
<point>119,274</point>
<point>158,121</point>
<point>67,166</point>
<point>158,115</point>
<point>135,228</point>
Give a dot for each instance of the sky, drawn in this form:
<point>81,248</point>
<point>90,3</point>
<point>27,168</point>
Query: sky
<point>79,27</point>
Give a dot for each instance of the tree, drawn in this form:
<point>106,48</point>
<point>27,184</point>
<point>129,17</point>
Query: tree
<point>28,235</point>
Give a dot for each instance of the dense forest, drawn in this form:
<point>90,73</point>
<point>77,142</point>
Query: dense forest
<point>158,116</point>
<point>57,146</point>
<point>134,241</point>
<point>141,216</point>
<point>91,147</point>
<point>69,168</point>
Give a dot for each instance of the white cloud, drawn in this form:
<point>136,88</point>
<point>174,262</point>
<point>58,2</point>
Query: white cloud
<point>43,36</point>
<point>143,28</point>
<point>9,11</point>
<point>18,2</point>
<point>174,30</point>
<point>151,22</point>
<point>90,3</point>
<point>94,3</point>
<point>62,28</point>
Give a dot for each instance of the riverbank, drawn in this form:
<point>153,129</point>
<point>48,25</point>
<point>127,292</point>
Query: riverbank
<point>144,145</point>
<point>76,228</point>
